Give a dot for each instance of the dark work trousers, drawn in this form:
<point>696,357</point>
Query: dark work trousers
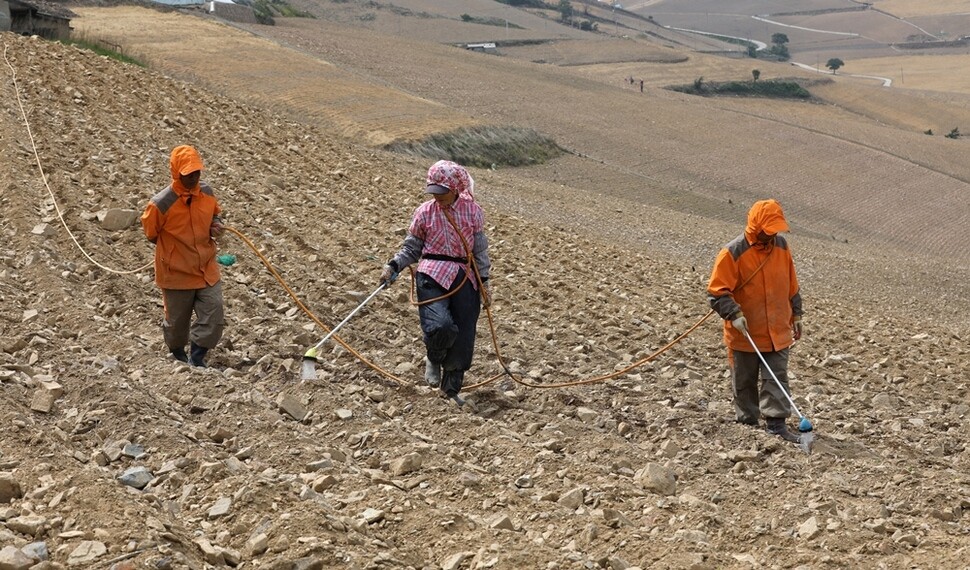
<point>209,322</point>
<point>449,327</point>
<point>750,402</point>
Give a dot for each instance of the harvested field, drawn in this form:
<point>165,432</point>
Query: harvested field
<point>577,52</point>
<point>709,67</point>
<point>233,61</point>
<point>907,109</point>
<point>916,8</point>
<point>441,22</point>
<point>932,72</point>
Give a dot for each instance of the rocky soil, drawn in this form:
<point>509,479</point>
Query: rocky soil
<point>113,455</point>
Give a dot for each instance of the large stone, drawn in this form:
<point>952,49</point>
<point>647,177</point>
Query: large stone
<point>42,401</point>
<point>211,554</point>
<point>118,219</point>
<point>502,522</point>
<point>11,558</point>
<point>322,483</point>
<point>617,563</point>
<point>454,561</point>
<point>292,406</point>
<point>9,487</point>
<point>586,415</point>
<point>741,455</point>
<point>86,553</point>
<point>133,450</point>
<point>231,556</point>
<point>658,479</point>
<point>220,508</point>
<point>407,464</point>
<point>137,477</point>
<point>343,414</point>
<point>615,518</point>
<point>372,516</point>
<point>669,449</point>
<point>45,230</point>
<point>258,544</point>
<point>325,463</point>
<point>573,499</point>
<point>37,551</point>
<point>809,529</point>
<point>30,525</point>
<point>883,401</point>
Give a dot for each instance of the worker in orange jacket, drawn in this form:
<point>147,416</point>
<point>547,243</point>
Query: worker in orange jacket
<point>753,287</point>
<point>183,221</point>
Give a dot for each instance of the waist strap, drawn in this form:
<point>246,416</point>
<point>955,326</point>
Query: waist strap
<point>439,257</point>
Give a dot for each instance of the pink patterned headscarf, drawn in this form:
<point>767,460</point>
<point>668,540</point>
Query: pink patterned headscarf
<point>454,177</point>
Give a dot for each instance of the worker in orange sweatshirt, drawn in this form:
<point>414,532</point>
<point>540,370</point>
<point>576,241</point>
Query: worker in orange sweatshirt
<point>753,287</point>
<point>183,221</point>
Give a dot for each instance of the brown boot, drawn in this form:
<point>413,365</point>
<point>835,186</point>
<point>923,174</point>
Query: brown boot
<point>776,426</point>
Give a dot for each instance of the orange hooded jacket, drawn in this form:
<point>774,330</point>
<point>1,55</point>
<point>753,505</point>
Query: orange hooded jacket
<point>177,221</point>
<point>758,280</point>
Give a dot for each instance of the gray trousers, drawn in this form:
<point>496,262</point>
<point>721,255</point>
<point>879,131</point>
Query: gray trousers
<point>750,402</point>
<point>449,328</point>
<point>210,320</point>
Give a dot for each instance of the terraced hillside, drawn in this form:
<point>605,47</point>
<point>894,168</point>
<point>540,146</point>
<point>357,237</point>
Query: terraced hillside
<point>600,260</point>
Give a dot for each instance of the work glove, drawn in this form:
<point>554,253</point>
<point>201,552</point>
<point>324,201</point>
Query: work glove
<point>486,295</point>
<point>796,327</point>
<point>740,323</point>
<point>388,275</point>
<point>216,229</point>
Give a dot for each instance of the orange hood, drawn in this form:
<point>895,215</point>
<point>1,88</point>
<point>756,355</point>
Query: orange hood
<point>765,215</point>
<point>184,160</point>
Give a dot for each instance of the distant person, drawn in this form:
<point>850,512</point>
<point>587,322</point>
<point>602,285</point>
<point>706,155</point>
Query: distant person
<point>183,221</point>
<point>641,86</point>
<point>448,288</point>
<point>753,287</point>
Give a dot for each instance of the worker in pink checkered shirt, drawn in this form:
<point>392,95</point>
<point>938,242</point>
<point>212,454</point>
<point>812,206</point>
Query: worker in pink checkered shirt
<point>442,254</point>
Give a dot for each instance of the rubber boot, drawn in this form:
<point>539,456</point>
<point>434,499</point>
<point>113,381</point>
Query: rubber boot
<point>179,354</point>
<point>197,355</point>
<point>776,426</point>
<point>432,372</point>
<point>451,383</point>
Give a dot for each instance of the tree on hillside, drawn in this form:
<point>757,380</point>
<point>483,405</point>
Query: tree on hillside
<point>755,73</point>
<point>565,10</point>
<point>834,64</point>
<point>778,48</point>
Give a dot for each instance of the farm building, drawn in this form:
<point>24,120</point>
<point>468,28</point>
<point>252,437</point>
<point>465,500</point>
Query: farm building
<point>178,3</point>
<point>232,12</point>
<point>35,17</point>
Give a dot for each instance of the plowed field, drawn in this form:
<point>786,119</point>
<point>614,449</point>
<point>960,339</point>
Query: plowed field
<point>599,260</point>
